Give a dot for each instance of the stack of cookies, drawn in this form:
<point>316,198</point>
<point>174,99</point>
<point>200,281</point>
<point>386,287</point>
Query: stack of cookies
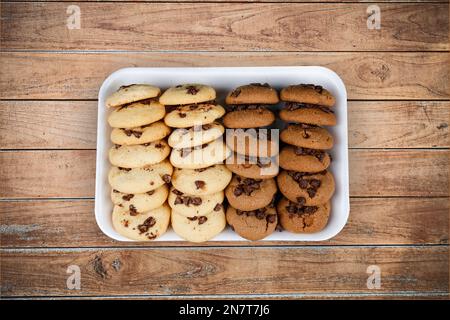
<point>198,153</point>
<point>140,171</point>
<point>251,212</point>
<point>305,182</point>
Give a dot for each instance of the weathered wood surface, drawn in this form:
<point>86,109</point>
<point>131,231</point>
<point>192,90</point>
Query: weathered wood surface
<point>71,223</point>
<point>73,124</point>
<point>379,75</point>
<point>220,27</point>
<point>42,272</point>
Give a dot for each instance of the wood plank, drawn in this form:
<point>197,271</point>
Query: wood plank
<point>72,124</point>
<point>71,223</point>
<point>71,173</point>
<point>399,76</point>
<point>42,272</point>
<point>225,27</point>
<point>248,1</point>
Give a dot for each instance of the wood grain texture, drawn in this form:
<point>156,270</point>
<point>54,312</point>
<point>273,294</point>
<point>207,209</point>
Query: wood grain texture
<point>42,272</point>
<point>71,173</point>
<point>399,76</point>
<point>73,124</point>
<point>380,221</point>
<point>224,27</point>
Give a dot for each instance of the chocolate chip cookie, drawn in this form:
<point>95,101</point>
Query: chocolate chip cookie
<point>304,188</point>
<point>248,194</point>
<point>302,219</point>
<point>252,225</point>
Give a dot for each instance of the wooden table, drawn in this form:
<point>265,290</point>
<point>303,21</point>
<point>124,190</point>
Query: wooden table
<point>397,79</point>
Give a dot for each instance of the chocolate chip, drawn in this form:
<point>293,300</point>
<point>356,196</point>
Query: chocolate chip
<point>199,184</point>
<point>152,236</point>
<point>177,192</point>
<point>315,183</point>
<point>305,134</point>
<point>291,106</point>
<point>166,178</point>
<point>311,192</point>
<point>196,201</point>
<point>116,191</point>
<point>192,90</point>
<point>236,93</point>
<point>192,218</point>
<point>126,223</point>
<point>202,220</point>
<point>271,218</point>
<point>178,200</point>
<point>117,146</point>
<point>150,192</point>
<point>133,211</point>
<point>147,224</point>
<point>301,201</point>
<point>182,114</point>
<point>218,207</point>
<point>128,197</point>
<point>303,184</point>
<point>129,132</point>
<point>159,146</point>
<point>201,169</point>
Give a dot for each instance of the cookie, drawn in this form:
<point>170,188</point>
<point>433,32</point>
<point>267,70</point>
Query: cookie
<point>303,160</point>
<point>307,136</point>
<point>252,225</point>
<point>194,206</point>
<point>200,182</point>
<point>308,113</point>
<point>140,135</point>
<point>301,219</point>
<point>250,194</point>
<point>132,93</point>
<point>141,226</point>
<point>252,142</point>
<point>187,94</point>
<point>139,155</point>
<point>140,180</point>
<point>240,115</point>
<point>201,228</point>
<point>200,156</point>
<point>194,115</point>
<point>140,202</point>
<point>254,93</point>
<point>136,114</point>
<point>254,168</point>
<point>195,136</point>
<point>308,189</point>
<point>308,93</point>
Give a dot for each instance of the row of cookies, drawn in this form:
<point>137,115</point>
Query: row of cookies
<point>251,194</point>
<point>305,183</point>
<point>199,177</point>
<point>140,169</point>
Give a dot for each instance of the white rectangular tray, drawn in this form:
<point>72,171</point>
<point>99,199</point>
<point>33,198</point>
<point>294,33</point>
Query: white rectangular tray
<point>224,80</point>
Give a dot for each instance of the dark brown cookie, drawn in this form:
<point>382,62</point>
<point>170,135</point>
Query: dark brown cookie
<point>253,93</point>
<point>260,117</point>
<point>301,219</point>
<point>250,194</point>
<point>252,225</point>
<point>308,189</point>
<point>254,168</point>
<point>252,143</point>
<point>308,93</point>
<point>308,113</point>
<point>303,159</point>
<point>307,136</point>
